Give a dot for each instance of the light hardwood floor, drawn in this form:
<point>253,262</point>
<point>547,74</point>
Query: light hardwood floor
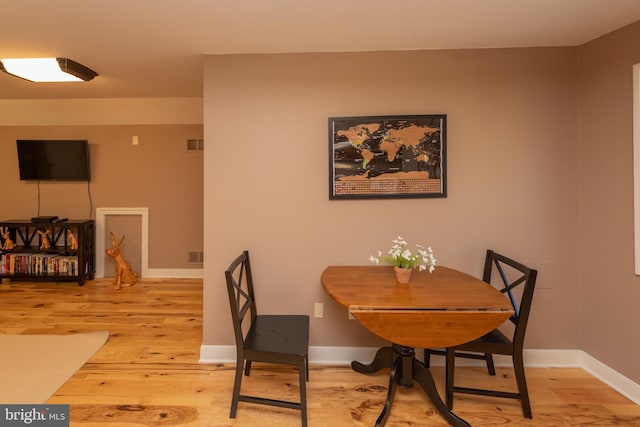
<point>148,373</point>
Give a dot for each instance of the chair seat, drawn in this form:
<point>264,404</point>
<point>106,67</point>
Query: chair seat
<point>278,337</point>
<point>493,342</point>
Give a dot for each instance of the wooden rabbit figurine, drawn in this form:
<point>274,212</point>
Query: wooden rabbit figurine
<point>44,239</point>
<point>8,243</point>
<point>124,275</point>
<point>73,245</point>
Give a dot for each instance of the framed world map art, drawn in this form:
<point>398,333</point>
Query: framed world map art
<point>377,157</point>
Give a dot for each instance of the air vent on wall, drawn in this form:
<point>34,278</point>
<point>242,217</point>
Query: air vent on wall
<point>195,257</point>
<point>195,144</point>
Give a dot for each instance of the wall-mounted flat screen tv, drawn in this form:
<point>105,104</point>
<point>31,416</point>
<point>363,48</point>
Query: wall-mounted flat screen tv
<point>53,160</point>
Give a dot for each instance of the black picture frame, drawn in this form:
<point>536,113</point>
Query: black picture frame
<point>381,157</point>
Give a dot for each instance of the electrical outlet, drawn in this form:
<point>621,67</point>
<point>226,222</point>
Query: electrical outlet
<point>318,310</point>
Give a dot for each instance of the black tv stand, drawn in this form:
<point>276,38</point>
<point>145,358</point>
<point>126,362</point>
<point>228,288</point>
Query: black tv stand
<point>46,218</point>
<point>30,260</point>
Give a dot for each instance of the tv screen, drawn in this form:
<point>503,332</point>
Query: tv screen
<point>53,160</point>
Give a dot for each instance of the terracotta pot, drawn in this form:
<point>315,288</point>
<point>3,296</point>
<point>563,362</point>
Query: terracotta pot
<point>402,274</point>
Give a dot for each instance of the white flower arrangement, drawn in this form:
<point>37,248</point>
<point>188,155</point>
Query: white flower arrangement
<point>400,256</point>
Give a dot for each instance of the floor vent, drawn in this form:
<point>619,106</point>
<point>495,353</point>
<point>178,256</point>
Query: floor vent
<point>195,257</point>
<point>195,144</point>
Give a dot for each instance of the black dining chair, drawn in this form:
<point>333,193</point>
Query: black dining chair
<point>276,339</point>
<point>512,275</point>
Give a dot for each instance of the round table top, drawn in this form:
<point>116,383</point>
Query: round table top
<point>439,309</point>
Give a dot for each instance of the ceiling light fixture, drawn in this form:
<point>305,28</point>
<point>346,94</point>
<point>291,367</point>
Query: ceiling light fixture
<point>47,69</point>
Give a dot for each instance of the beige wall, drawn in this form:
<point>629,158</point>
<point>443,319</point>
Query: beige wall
<point>512,175</point>
<point>159,173</point>
<point>539,167</point>
<point>610,291</point>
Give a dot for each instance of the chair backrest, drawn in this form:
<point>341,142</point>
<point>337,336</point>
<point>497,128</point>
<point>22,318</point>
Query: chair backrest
<point>241,297</point>
<point>513,275</point>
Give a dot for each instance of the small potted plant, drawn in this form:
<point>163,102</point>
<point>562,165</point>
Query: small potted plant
<point>404,260</point>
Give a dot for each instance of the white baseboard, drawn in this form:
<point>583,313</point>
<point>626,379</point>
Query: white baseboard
<point>318,355</point>
<point>344,355</point>
<point>175,273</point>
<point>217,354</point>
<point>169,273</point>
<point>612,378</point>
<point>532,358</point>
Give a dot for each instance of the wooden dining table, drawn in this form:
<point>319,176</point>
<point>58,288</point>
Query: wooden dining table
<point>434,310</point>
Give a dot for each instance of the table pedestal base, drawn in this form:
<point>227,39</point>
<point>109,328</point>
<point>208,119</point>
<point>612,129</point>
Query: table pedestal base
<point>405,370</point>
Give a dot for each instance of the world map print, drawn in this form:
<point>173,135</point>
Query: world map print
<point>392,156</point>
